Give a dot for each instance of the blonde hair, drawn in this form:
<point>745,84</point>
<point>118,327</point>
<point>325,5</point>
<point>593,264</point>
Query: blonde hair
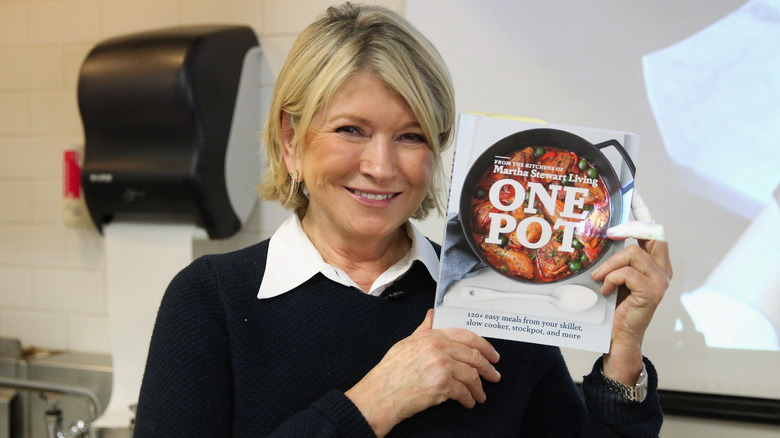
<point>347,39</point>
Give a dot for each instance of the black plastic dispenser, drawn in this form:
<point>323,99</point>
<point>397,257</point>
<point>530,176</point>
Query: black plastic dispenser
<point>160,112</point>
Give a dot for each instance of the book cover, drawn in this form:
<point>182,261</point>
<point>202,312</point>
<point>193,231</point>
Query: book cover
<point>528,210</point>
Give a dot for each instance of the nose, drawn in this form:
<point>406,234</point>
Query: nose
<point>378,161</point>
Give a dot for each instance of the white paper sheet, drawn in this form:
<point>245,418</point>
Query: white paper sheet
<point>141,259</point>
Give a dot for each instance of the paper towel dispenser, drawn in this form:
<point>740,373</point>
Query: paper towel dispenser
<point>162,111</point>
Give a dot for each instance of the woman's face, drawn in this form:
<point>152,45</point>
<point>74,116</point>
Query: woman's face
<point>365,162</point>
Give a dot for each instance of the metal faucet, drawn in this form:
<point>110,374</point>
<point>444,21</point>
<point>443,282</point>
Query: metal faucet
<point>78,429</point>
<point>49,391</point>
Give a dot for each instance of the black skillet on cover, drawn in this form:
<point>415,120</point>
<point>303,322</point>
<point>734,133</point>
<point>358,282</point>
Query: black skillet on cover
<point>547,137</point>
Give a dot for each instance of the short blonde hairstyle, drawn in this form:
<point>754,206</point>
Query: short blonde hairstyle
<point>347,39</point>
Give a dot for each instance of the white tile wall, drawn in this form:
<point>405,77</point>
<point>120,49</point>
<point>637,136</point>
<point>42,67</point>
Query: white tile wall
<point>72,57</point>
<point>36,328</point>
<point>32,157</point>
<point>32,245</point>
<point>30,67</point>
<point>121,16</point>
<point>64,21</point>
<point>13,112</point>
<point>15,197</point>
<point>284,17</point>
<point>84,248</point>
<point>52,277</point>
<point>13,23</point>
<point>227,11</point>
<point>54,112</point>
<point>72,291</point>
<point>16,287</point>
<point>46,201</point>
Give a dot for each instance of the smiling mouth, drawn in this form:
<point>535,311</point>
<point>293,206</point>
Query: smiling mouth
<point>373,196</point>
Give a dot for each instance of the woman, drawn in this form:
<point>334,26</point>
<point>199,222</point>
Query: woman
<point>325,329</point>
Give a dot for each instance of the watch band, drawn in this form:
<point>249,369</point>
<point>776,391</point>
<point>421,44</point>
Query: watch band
<point>635,393</point>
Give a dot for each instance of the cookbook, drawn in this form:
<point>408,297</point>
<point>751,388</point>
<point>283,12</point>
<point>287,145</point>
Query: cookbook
<point>528,209</point>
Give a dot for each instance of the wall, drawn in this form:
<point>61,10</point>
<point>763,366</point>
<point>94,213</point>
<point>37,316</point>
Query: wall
<point>52,281</point>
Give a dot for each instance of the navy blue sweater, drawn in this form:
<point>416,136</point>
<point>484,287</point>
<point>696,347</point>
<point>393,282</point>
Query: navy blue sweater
<point>224,363</point>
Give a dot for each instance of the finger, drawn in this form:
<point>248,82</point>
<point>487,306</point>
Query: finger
<point>474,341</point>
<point>626,264</point>
<point>465,377</point>
<point>632,256</point>
<point>640,209</point>
<point>427,323</point>
<point>644,292</point>
<point>453,372</point>
<point>659,252</point>
<point>466,395</point>
<point>476,360</point>
<point>642,228</point>
<point>637,230</point>
<point>462,336</point>
<point>624,276</point>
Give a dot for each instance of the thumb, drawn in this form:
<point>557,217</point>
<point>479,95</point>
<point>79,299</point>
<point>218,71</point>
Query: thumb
<point>427,323</point>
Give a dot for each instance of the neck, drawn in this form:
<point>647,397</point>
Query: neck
<point>363,259</point>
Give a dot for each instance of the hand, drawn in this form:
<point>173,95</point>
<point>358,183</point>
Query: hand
<point>641,274</point>
<point>423,370</point>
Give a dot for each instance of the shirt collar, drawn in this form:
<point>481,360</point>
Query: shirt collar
<point>293,259</point>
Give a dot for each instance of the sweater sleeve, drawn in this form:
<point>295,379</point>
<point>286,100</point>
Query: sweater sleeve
<point>609,411</point>
<point>333,415</point>
<point>558,409</point>
<point>187,388</point>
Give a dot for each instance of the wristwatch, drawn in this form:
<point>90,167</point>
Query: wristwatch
<point>635,393</point>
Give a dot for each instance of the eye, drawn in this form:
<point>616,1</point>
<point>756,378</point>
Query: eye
<point>349,130</point>
<point>413,138</point>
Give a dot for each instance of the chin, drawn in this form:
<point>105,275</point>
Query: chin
<point>376,226</point>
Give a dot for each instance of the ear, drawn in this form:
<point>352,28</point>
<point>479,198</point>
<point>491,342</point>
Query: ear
<point>288,133</point>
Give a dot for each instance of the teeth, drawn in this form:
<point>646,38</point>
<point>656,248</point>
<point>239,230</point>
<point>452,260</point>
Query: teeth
<point>372,196</point>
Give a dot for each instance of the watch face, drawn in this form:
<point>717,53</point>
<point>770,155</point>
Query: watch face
<point>641,386</point>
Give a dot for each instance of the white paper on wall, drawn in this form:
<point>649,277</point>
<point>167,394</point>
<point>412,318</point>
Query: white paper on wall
<point>141,259</point>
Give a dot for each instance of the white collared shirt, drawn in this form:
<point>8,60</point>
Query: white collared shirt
<point>293,259</point>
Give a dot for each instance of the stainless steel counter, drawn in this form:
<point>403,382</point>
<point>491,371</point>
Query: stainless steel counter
<point>22,412</point>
